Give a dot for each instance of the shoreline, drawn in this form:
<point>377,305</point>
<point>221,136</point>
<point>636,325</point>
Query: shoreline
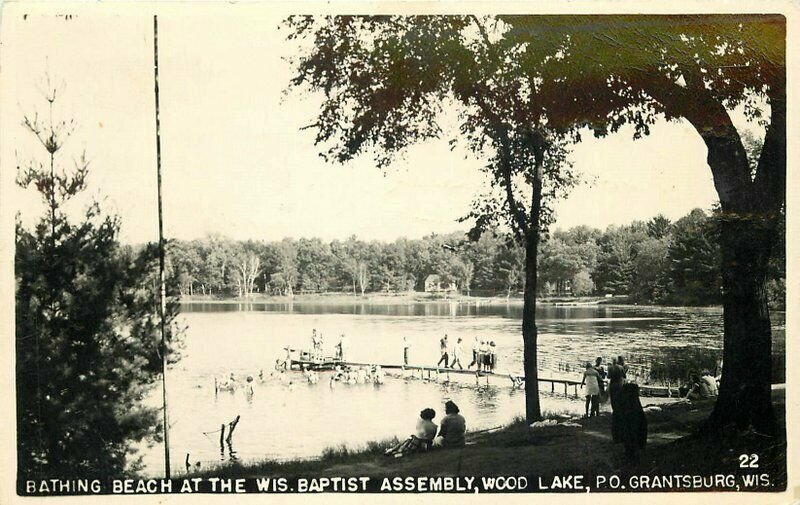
<point>422,298</point>
<point>569,447</point>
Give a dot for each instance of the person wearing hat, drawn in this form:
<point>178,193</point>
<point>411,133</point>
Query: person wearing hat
<point>452,428</point>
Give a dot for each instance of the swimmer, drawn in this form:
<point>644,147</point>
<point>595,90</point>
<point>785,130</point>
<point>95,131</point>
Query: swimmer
<point>379,375</point>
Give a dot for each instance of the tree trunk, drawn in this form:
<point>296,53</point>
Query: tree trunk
<point>530,333</point>
<point>750,209</point>
<point>745,398</point>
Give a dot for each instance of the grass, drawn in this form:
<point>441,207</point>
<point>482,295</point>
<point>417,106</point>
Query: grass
<point>515,449</point>
<point>343,452</point>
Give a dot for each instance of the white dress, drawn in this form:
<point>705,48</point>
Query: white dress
<point>592,387</point>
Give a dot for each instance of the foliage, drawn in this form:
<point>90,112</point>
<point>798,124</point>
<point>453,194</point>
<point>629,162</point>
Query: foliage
<point>87,330</point>
<point>680,268</point>
<point>526,85</point>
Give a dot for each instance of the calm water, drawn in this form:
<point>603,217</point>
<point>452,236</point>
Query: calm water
<point>299,420</point>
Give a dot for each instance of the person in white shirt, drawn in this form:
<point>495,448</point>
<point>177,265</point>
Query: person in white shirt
<point>483,356</point>
<point>457,348</point>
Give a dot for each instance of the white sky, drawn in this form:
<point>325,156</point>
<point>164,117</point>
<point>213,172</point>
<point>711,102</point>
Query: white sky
<point>235,161</point>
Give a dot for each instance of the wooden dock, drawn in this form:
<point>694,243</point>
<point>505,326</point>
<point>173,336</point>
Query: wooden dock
<point>306,360</point>
<point>433,372</point>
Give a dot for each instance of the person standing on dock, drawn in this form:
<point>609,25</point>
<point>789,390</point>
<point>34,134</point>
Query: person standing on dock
<point>406,346</point>
<point>315,343</point>
<point>492,356</point>
<point>483,356</point>
<point>457,350</point>
<point>475,345</point>
<point>342,346</point>
<point>443,349</point>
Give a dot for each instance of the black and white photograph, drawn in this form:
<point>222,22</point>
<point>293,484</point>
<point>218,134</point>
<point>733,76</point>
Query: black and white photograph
<point>398,248</point>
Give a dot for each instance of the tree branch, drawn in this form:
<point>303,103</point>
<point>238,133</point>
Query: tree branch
<point>727,157</point>
<point>770,179</point>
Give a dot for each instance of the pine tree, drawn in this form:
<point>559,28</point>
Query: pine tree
<point>87,340</point>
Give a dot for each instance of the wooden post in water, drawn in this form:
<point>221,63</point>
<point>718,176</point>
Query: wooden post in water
<point>231,427</point>
<point>161,258</point>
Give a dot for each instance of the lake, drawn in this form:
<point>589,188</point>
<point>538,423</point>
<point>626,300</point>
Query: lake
<point>281,421</point>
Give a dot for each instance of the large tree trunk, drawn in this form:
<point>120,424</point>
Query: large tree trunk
<point>750,210</point>
<point>745,388</point>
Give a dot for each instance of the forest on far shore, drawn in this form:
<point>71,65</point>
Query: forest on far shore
<point>655,261</point>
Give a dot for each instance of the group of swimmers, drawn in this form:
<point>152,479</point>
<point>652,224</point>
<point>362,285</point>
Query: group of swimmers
<point>372,374</point>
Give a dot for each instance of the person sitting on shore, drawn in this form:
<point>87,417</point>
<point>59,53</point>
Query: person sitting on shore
<point>699,389</point>
<point>452,429</point>
<point>422,438</point>
<point>711,382</point>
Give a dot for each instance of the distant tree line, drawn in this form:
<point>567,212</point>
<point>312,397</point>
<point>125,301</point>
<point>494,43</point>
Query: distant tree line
<point>657,261</point>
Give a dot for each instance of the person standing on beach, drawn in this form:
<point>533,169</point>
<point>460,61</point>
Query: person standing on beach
<point>443,349</point>
<point>591,380</point>
<point>406,346</point>
<point>457,349</point>
<point>616,377</point>
<point>598,365</point>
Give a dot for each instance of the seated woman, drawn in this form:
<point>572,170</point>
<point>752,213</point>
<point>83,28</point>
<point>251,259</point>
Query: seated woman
<point>699,389</point>
<point>453,428</point>
<point>421,439</point>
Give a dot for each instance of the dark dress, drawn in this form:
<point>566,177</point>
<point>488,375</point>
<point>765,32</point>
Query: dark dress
<point>616,377</point>
<point>629,424</point>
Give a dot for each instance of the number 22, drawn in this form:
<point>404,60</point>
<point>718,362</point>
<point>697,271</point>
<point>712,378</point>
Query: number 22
<point>748,461</point>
